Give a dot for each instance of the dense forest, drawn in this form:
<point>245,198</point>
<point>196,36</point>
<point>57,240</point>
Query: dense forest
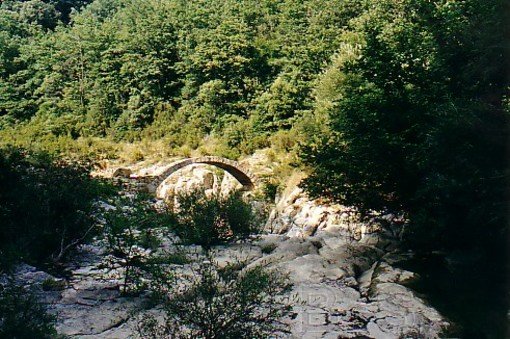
<point>388,105</point>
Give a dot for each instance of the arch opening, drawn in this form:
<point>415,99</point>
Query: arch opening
<point>242,175</point>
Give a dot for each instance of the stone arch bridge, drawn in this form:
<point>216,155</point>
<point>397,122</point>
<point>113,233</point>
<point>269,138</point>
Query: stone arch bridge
<point>240,172</point>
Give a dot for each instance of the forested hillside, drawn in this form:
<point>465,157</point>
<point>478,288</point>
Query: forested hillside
<point>236,71</point>
<point>398,106</point>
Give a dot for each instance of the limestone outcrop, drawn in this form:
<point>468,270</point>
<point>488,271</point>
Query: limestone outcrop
<point>296,215</point>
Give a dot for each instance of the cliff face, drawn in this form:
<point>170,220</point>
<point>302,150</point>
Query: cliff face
<point>295,214</point>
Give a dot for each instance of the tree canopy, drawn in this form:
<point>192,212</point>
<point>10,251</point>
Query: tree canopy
<point>416,104</point>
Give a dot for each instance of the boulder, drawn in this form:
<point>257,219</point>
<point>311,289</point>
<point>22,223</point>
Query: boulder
<point>236,254</point>
<point>122,172</point>
<point>296,215</point>
<point>311,268</point>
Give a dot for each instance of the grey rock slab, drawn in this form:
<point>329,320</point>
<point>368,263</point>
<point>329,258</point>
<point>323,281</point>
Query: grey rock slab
<point>386,273</point>
<point>311,268</point>
<point>238,253</point>
<point>285,252</point>
<point>324,296</point>
<point>89,320</point>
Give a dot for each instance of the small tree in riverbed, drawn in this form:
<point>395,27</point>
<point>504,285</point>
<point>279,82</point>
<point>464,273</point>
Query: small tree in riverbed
<point>220,303</point>
<point>46,206</point>
<point>131,236</point>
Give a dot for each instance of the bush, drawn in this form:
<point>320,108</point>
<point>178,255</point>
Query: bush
<point>46,206</point>
<point>239,215</point>
<point>268,248</point>
<point>22,316</point>
<point>210,220</point>
<point>52,284</point>
<point>270,189</point>
<point>130,232</point>
<point>220,303</point>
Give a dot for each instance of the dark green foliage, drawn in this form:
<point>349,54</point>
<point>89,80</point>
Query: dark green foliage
<point>415,104</point>
<point>209,220</point>
<point>220,303</point>
<point>66,7</point>
<point>268,248</point>
<point>22,316</point>
<point>132,231</point>
<point>52,284</point>
<point>239,215</point>
<point>46,206</point>
<point>270,190</point>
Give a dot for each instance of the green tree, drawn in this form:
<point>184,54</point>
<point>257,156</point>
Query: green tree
<point>416,120</point>
<point>220,303</point>
<point>22,315</point>
<point>133,231</point>
<point>46,207</point>
<point>222,70</point>
<point>211,220</point>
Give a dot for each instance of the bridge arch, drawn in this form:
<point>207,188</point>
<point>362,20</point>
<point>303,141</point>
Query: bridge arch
<point>238,171</point>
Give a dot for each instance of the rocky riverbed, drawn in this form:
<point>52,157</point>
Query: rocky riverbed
<point>343,271</point>
<point>342,289</point>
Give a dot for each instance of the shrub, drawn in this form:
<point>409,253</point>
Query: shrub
<point>220,303</point>
<point>238,214</point>
<point>210,220</point>
<point>46,206</point>
<point>284,141</point>
<point>130,232</point>
<point>270,189</point>
<point>52,284</point>
<point>22,316</point>
<point>268,248</point>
